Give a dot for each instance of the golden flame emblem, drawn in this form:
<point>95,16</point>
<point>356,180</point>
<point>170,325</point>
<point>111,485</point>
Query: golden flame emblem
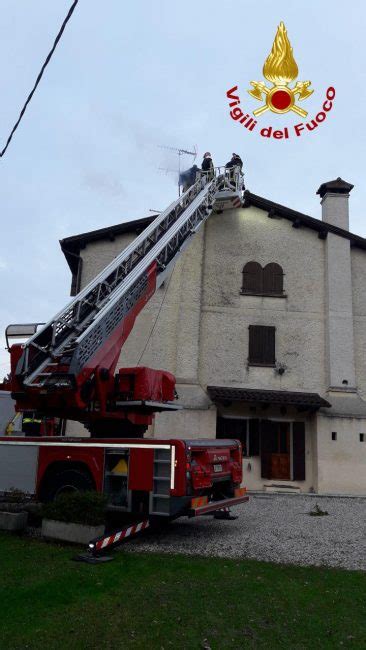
<point>280,68</point>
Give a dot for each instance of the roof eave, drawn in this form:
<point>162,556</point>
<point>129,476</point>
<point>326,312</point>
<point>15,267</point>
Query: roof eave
<point>300,219</point>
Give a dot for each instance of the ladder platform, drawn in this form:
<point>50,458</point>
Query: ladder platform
<point>227,200</point>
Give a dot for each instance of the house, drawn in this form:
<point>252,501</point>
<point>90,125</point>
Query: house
<point>263,323</point>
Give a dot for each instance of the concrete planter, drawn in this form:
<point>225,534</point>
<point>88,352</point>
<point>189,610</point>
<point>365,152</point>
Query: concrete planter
<point>67,532</point>
<point>13,520</point>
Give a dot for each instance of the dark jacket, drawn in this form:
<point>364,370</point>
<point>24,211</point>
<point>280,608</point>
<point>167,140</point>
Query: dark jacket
<point>207,164</point>
<point>236,161</point>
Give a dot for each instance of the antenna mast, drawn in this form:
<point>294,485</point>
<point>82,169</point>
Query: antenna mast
<point>180,152</point>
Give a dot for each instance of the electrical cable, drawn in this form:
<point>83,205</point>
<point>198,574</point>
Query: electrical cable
<point>156,319</point>
<point>70,12</point>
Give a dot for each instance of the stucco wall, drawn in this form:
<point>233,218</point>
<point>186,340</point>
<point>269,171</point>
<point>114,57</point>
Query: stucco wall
<point>232,239</point>
<point>358,262</point>
<point>342,462</point>
<point>196,325</point>
<point>339,313</point>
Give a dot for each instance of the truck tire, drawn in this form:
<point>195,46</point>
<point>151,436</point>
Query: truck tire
<point>69,480</point>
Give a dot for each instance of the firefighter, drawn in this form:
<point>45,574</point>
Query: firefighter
<point>188,178</point>
<point>235,163</point>
<point>207,166</point>
<point>31,424</point>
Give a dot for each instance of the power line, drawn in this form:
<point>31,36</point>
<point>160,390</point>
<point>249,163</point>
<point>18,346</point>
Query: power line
<point>49,56</point>
<point>156,318</point>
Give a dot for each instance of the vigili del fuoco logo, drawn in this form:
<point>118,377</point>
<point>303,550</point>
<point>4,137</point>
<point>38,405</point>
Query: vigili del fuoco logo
<point>280,69</point>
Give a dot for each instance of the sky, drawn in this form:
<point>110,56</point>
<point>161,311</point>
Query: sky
<point>130,78</point>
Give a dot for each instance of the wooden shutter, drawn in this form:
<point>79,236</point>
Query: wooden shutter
<point>266,443</point>
<point>298,446</point>
<point>253,438</point>
<point>262,345</point>
<point>273,279</point>
<point>252,278</point>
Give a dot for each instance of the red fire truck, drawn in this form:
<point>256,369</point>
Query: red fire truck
<point>66,370</point>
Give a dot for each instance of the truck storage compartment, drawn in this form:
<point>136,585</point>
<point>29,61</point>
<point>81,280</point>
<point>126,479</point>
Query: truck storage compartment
<point>213,462</point>
<point>116,478</point>
<point>160,495</point>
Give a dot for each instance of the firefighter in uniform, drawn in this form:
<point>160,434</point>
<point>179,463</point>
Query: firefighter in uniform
<point>31,424</point>
<point>207,166</point>
<point>235,163</point>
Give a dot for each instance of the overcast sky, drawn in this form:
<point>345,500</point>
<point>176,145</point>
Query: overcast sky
<point>128,77</point>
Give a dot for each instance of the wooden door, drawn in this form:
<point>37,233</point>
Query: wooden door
<point>280,466</point>
<point>275,450</point>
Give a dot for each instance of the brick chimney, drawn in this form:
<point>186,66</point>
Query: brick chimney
<point>339,342</point>
<point>334,202</point>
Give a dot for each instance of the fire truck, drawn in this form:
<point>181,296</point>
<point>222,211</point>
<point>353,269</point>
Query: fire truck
<point>67,369</point>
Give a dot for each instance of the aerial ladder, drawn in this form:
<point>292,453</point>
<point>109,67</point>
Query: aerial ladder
<point>67,367</point>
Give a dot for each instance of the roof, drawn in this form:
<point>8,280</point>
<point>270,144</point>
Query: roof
<point>339,186</point>
<point>71,246</point>
<point>253,395</point>
<point>347,405</point>
<point>300,219</point>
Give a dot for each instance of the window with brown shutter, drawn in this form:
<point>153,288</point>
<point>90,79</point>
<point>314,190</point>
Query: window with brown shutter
<point>252,278</point>
<point>258,281</point>
<point>261,345</point>
<point>273,279</point>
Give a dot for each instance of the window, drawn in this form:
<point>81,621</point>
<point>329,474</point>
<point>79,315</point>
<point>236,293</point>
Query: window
<point>280,444</point>
<point>261,345</point>
<point>235,428</point>
<point>252,278</point>
<point>362,437</point>
<point>258,281</point>
<point>253,437</point>
<point>247,431</point>
<point>334,435</point>
<point>273,279</point>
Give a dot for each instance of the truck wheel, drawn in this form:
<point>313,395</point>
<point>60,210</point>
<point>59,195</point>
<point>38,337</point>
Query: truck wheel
<point>70,480</point>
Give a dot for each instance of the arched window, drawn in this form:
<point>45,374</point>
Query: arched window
<point>273,279</point>
<point>258,281</point>
<point>252,278</point>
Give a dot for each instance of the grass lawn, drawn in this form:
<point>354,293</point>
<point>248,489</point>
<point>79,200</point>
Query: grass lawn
<point>162,601</point>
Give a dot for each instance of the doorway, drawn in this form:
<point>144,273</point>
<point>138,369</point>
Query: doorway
<point>276,450</point>
<point>279,444</point>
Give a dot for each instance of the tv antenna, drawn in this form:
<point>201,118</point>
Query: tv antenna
<point>180,152</point>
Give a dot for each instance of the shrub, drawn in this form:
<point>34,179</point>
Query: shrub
<point>86,508</point>
<point>318,512</point>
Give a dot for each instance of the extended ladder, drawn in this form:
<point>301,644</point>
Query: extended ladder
<point>84,325</point>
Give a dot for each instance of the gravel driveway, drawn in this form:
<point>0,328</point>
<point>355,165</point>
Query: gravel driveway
<point>274,528</point>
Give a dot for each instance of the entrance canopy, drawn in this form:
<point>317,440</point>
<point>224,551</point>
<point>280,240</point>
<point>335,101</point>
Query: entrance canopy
<point>302,401</point>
